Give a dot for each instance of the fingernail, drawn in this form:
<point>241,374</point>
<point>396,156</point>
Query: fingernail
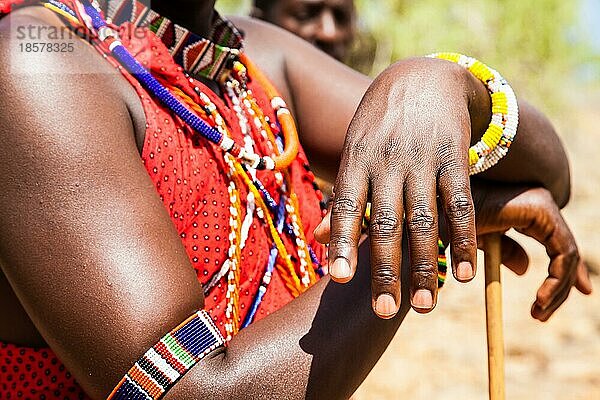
<point>385,306</point>
<point>422,299</point>
<point>464,271</point>
<point>340,269</point>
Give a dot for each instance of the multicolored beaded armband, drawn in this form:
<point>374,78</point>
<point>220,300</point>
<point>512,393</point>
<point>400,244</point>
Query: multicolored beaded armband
<point>505,113</point>
<point>168,360</point>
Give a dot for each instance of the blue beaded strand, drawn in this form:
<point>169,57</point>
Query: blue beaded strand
<point>262,290</point>
<point>153,85</point>
<point>62,7</point>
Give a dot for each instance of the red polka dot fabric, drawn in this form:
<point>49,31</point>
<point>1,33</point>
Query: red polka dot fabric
<point>35,374</point>
<point>190,177</point>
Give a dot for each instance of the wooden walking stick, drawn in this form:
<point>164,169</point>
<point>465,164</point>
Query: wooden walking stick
<point>493,308</point>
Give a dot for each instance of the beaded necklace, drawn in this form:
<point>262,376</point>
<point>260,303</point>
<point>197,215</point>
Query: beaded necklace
<point>197,55</point>
<point>280,217</point>
<point>91,15</point>
<point>267,208</point>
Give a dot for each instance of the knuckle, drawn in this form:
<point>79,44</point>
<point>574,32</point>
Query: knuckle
<point>464,244</point>
<point>423,274</point>
<point>384,275</point>
<point>543,225</point>
<point>542,200</point>
<point>451,166</point>
<point>341,241</point>
<point>385,223</point>
<point>356,148</point>
<point>421,220</point>
<point>345,207</point>
<point>445,152</point>
<point>460,208</point>
<point>571,255</point>
<point>542,194</point>
<point>390,148</point>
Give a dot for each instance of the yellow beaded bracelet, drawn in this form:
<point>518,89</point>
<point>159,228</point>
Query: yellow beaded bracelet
<point>501,132</point>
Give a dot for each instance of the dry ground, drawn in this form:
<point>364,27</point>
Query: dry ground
<point>442,356</point>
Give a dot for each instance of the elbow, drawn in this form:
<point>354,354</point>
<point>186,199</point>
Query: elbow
<point>206,380</point>
<point>562,185</point>
<point>556,177</point>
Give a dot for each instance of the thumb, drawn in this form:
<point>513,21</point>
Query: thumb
<point>322,232</point>
<point>583,282</point>
<point>514,256</point>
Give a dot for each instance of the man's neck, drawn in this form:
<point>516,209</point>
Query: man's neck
<point>195,15</point>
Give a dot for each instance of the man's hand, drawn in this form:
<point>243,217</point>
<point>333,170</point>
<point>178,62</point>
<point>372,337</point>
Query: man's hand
<point>534,213</point>
<point>406,145</point>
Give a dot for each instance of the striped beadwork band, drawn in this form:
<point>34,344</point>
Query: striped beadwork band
<point>168,360</point>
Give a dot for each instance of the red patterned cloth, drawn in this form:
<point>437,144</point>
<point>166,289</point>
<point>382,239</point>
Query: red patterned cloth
<point>35,374</point>
<point>190,178</point>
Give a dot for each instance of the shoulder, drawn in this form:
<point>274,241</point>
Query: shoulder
<point>272,44</point>
<point>263,39</point>
<point>27,39</point>
<point>49,70</point>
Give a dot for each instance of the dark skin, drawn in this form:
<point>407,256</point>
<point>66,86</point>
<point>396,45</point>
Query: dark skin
<point>327,24</point>
<point>101,274</point>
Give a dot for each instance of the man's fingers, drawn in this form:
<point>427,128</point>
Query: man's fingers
<point>558,281</point>
<point>347,210</point>
<point>455,193</point>
<point>549,228</point>
<point>534,213</point>
<point>422,228</point>
<point>544,315</point>
<point>385,234</point>
<point>551,295</point>
<point>514,256</point>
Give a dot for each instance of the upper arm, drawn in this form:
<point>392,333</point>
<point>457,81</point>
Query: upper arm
<point>323,92</point>
<point>85,241</point>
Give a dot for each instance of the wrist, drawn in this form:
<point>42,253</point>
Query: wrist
<point>480,104</point>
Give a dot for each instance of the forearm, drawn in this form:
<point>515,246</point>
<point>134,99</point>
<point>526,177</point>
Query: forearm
<point>537,155</point>
<point>321,345</point>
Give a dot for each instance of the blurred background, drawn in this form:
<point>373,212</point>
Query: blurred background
<point>550,52</point>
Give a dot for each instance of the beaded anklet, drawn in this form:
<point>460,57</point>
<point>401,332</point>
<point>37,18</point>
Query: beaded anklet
<point>168,360</point>
<point>505,113</point>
